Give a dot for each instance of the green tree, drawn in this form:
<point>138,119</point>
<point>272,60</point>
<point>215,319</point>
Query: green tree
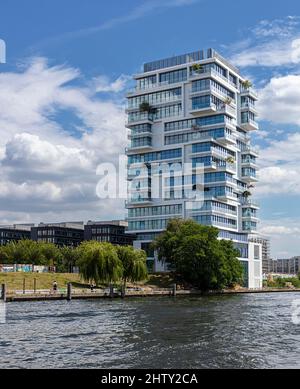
<point>134,264</point>
<point>51,254</point>
<point>69,258</point>
<point>198,255</point>
<point>23,252</point>
<point>99,262</point>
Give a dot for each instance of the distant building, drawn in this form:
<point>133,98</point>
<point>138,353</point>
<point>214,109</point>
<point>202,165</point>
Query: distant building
<point>14,233</point>
<point>108,231</point>
<point>69,234</point>
<point>287,265</point>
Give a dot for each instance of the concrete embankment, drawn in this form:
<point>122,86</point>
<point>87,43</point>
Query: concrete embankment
<point>75,294</point>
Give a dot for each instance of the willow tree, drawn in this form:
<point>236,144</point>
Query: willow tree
<point>99,262</point>
<point>134,264</point>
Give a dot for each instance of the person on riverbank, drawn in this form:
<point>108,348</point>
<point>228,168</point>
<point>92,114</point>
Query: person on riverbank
<point>54,286</point>
<point>92,286</point>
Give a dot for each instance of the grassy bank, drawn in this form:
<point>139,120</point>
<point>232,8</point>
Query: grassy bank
<point>14,281</point>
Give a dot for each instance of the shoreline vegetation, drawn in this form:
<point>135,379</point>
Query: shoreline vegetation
<point>201,263</point>
<point>156,285</point>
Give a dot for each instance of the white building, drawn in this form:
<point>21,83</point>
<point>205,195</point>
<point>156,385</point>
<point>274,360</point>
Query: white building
<point>197,110</point>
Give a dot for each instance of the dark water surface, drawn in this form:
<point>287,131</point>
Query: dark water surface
<point>242,331</point>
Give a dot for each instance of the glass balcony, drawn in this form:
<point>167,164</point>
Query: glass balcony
<point>251,150</point>
<point>248,202</point>
<point>249,92</point>
<point>207,107</point>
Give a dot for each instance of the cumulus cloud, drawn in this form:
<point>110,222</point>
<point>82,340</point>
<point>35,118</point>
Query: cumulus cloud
<point>280,167</point>
<point>279,100</point>
<point>48,170</point>
<point>284,235</point>
<point>271,43</point>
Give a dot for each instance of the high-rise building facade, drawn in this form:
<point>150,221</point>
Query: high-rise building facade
<point>194,110</point>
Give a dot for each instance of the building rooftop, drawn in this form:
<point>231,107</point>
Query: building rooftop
<point>187,58</point>
<point>20,227</point>
<point>76,225</point>
<point>121,223</point>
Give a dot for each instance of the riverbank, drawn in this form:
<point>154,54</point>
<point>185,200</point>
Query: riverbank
<point>77,294</point>
<point>38,287</point>
<point>32,281</point>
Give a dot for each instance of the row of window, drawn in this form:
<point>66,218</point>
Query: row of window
<point>155,156</point>
<point>242,248</point>
<point>155,98</point>
<point>107,230</point>
<point>191,136</point>
<point>146,82</point>
<point>217,191</point>
<point>174,209</point>
<point>247,101</point>
<point>158,224</point>
<point>248,172</point>
<point>60,233</point>
<point>215,177</point>
<point>140,142</point>
<point>249,225</point>
<point>247,116</point>
<point>213,206</point>
<point>208,146</point>
<point>174,76</point>
<point>214,219</point>
<point>249,212</point>
<point>203,121</point>
<point>112,239</point>
<point>200,102</point>
<point>160,113</point>
<point>248,159</point>
<point>205,68</point>
<point>13,235</point>
<point>141,128</point>
<point>207,84</point>
<point>233,236</point>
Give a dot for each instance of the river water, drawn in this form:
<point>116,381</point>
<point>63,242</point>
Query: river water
<point>236,331</point>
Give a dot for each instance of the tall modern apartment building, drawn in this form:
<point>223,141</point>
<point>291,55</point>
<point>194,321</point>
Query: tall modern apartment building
<point>194,110</point>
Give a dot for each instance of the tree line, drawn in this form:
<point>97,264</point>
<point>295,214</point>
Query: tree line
<point>97,262</point>
<point>193,251</point>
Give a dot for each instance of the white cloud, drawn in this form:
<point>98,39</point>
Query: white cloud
<point>284,236</point>
<point>280,167</point>
<point>279,100</point>
<point>270,43</point>
<point>47,171</point>
<point>103,84</point>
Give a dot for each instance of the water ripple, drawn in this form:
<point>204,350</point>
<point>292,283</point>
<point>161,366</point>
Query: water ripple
<point>241,331</point>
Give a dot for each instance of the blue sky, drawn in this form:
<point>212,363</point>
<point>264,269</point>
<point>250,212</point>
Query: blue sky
<point>62,97</point>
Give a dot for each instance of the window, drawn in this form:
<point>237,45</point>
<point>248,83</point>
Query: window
<point>146,82</point>
<point>155,98</point>
<point>173,77</point>
<point>155,156</point>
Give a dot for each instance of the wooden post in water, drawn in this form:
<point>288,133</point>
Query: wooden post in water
<point>111,291</point>
<point>123,291</point>
<point>69,292</point>
<point>3,292</point>
<point>174,290</point>
<point>24,285</point>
